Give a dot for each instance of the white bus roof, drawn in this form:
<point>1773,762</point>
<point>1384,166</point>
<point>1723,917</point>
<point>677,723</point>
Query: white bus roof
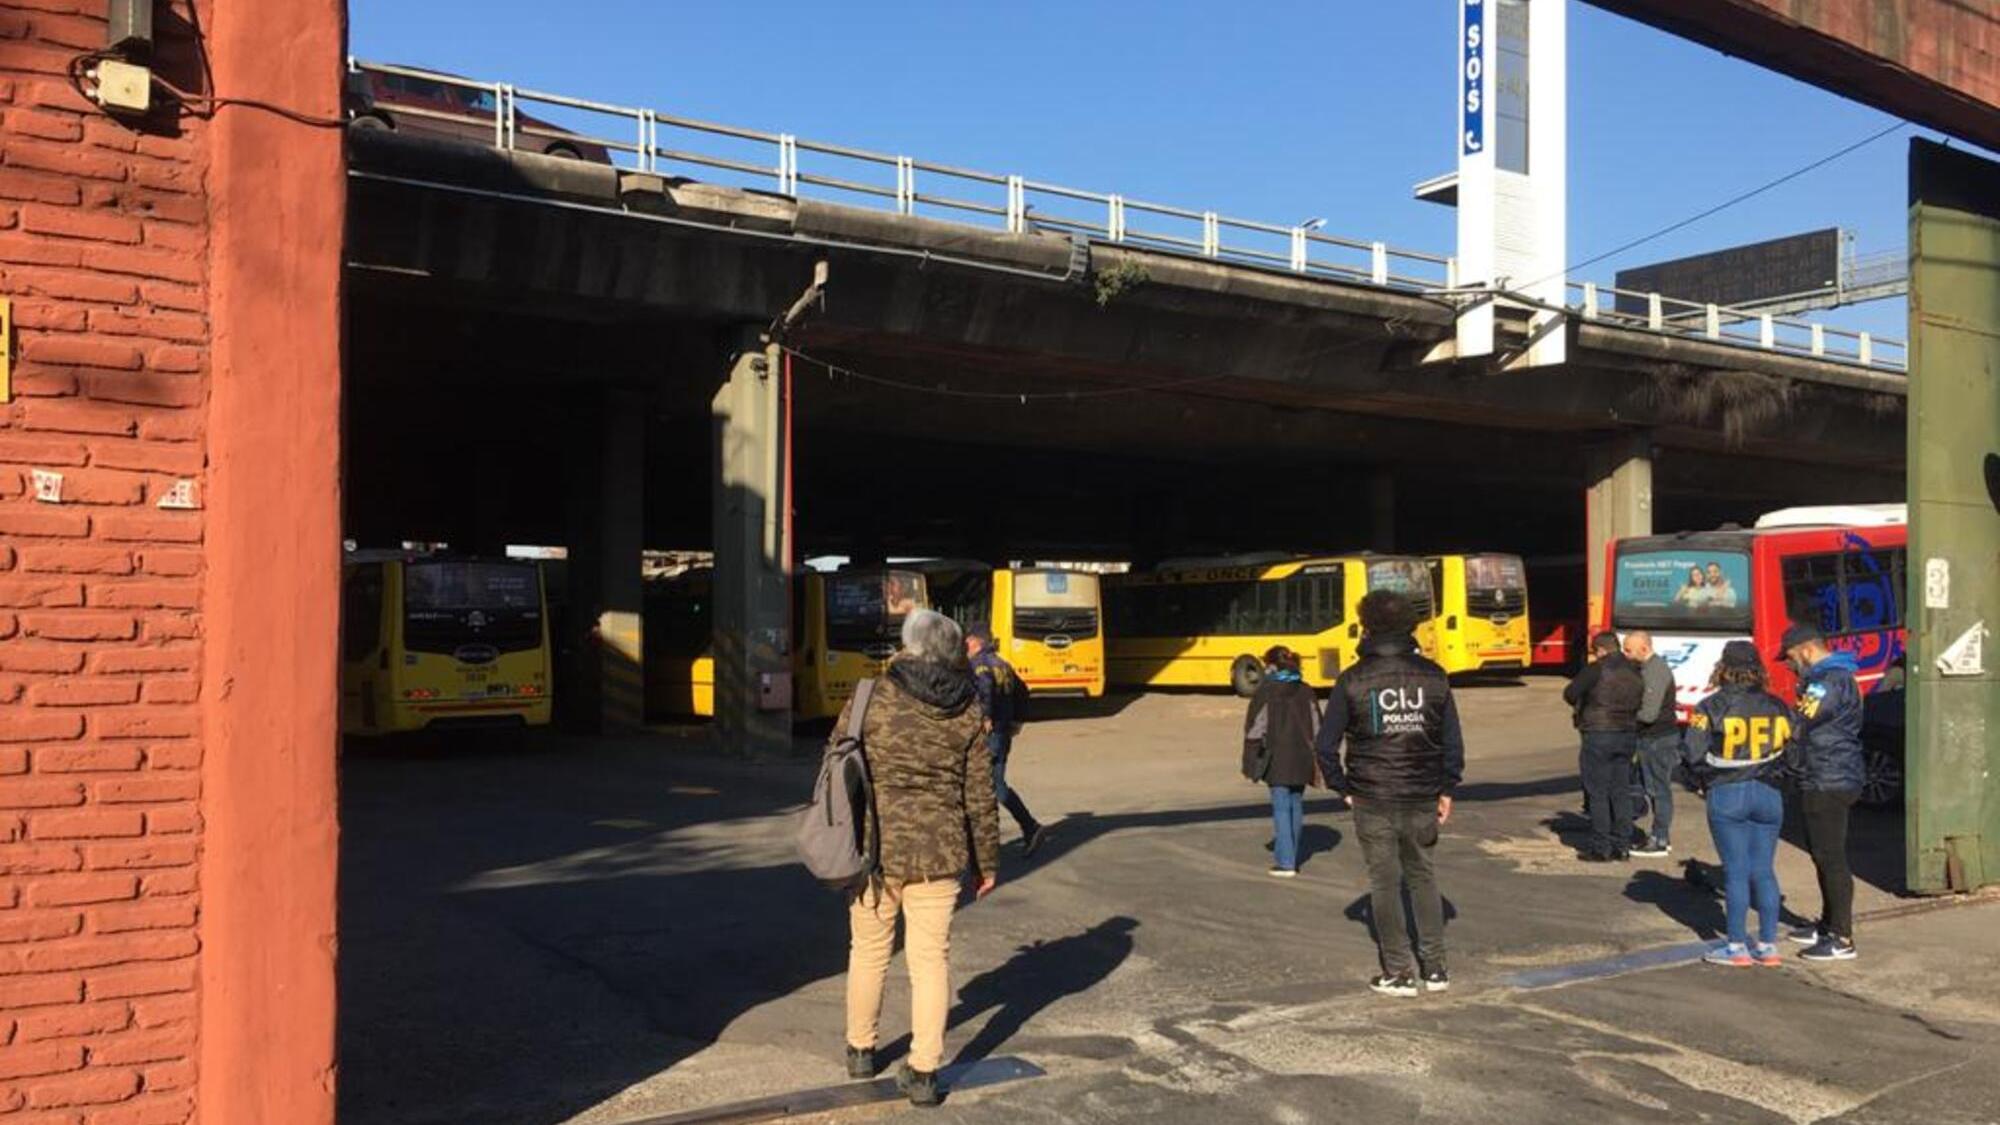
<point>1837,515</point>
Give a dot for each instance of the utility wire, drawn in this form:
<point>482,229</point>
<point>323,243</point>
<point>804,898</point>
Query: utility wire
<point>1728,203</point>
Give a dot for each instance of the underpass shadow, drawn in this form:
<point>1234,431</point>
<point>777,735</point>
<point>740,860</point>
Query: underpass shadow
<point>1037,976</point>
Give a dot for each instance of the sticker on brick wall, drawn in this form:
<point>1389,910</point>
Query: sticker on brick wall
<point>48,486</point>
<point>180,496</point>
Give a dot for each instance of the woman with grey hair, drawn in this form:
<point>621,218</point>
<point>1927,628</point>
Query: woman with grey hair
<point>935,817</point>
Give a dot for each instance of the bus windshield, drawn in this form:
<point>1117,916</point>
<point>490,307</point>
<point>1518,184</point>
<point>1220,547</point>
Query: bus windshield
<point>1701,589</point>
<point>1408,577</point>
<point>1051,602</point>
<point>450,602</point>
<point>868,608</point>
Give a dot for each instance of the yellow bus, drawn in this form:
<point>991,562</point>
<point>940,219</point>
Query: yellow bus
<point>845,627</point>
<point>1208,625</point>
<point>1047,623</point>
<point>1481,621</point>
<point>438,641</point>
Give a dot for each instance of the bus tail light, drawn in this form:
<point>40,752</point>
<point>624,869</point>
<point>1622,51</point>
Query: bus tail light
<point>420,693</point>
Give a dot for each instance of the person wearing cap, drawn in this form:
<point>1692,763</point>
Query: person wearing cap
<point>997,684</point>
<point>1830,770</point>
<point>1737,739</point>
<point>1278,736</point>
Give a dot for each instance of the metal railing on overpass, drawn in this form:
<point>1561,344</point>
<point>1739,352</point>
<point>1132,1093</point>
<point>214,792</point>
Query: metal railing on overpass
<point>647,140</point>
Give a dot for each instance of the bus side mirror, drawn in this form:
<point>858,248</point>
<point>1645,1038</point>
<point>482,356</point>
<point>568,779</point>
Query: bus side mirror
<point>1354,630</point>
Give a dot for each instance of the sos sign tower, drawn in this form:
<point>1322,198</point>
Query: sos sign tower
<point>1512,150</point>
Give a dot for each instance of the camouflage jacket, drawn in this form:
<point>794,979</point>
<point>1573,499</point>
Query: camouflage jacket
<point>933,776</point>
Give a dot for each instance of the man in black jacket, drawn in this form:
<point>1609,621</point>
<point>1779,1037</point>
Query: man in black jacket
<point>1606,696</point>
<point>1831,768</point>
<point>1405,755</point>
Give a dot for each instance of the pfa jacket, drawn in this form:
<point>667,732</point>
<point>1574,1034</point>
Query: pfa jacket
<point>1395,711</point>
<point>1739,734</point>
<point>1828,727</point>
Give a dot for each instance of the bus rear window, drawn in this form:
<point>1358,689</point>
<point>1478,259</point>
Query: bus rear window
<point>1677,588</point>
<point>1495,585</point>
<point>868,609</point>
<point>449,603</point>
<point>1408,577</point>
<point>1052,603</point>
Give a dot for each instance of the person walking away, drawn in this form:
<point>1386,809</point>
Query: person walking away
<point>935,818</point>
<point>1659,741</point>
<point>1606,697</point>
<point>1736,740</point>
<point>1830,771</point>
<point>999,688</point>
<point>1395,713</point>
<point>1278,745</point>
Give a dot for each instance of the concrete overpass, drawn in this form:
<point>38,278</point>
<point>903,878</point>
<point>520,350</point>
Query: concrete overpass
<point>509,312</point>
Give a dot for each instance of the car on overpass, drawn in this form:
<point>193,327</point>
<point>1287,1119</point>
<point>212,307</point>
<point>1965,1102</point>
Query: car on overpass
<point>455,109</point>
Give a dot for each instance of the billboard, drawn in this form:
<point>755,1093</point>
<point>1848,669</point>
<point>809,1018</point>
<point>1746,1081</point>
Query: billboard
<point>1741,275</point>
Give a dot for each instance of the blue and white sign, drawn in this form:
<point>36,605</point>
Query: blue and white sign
<point>1472,75</point>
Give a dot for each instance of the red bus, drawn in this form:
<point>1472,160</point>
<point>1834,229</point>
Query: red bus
<point>1840,568</point>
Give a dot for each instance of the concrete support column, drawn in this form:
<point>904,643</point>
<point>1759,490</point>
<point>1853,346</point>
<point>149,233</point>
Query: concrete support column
<point>605,687</point>
<point>1381,510</point>
<point>1618,502</point>
<point>752,642</point>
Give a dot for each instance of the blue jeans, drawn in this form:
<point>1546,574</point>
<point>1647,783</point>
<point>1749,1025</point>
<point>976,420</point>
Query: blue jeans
<point>1744,817</point>
<point>1288,824</point>
<point>999,744</point>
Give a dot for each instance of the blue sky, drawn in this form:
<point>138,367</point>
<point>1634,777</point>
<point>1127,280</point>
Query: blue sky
<point>1274,110</point>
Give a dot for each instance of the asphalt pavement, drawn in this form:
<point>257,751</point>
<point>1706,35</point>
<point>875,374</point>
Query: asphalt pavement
<point>608,930</point>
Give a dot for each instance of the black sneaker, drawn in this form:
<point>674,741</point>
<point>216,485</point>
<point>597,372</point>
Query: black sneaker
<point>1807,935</point>
<point>1436,980</point>
<point>1402,984</point>
<point>861,1062</point>
<point>1033,839</point>
<point>1831,948</point>
<point>1653,849</point>
<point>920,1085</point>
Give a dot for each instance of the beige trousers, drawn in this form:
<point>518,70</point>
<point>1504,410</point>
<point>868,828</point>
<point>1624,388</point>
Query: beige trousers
<point>926,909</point>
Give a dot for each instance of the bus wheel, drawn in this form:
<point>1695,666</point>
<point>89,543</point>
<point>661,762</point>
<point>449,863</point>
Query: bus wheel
<point>1245,675</point>
<point>1882,778</point>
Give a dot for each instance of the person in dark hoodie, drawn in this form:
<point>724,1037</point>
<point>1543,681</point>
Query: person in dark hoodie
<point>1405,755</point>
<point>1278,736</point>
<point>1830,769</point>
<point>935,816</point>
<point>1735,747</point>
<point>1606,696</point>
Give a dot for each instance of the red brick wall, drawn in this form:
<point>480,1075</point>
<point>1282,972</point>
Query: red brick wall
<point>103,236</point>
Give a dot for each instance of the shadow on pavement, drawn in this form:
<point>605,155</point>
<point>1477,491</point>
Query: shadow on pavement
<point>1362,910</point>
<point>524,933</point>
<point>1037,976</point>
<point>1076,829</point>
<point>1694,900</point>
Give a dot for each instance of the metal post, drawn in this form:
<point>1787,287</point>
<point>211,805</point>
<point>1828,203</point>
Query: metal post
<point>1378,264</point>
<point>1818,338</point>
<point>1211,235</point>
<point>645,140</point>
<point>1298,249</point>
<point>1767,331</point>
<point>906,186</point>
<point>1017,205</point>
<point>1867,350</point>
<point>1712,323</point>
<point>1590,300</point>
<point>1451,273</point>
<point>1115,219</point>
<point>788,165</point>
<point>499,115</point>
<point>1655,316</point>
